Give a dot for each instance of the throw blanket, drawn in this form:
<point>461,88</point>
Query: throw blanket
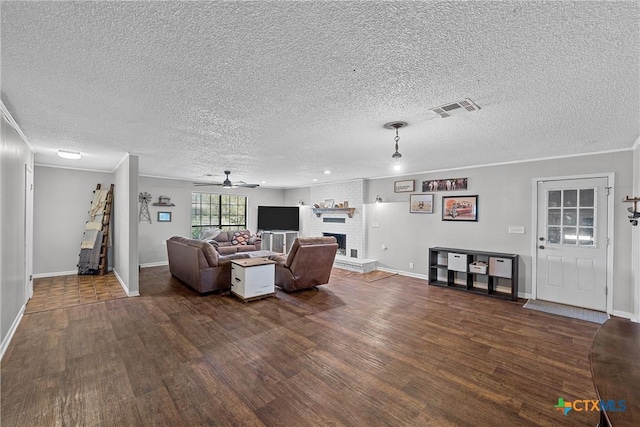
<point>98,203</point>
<point>89,239</point>
<point>90,258</point>
<point>93,225</point>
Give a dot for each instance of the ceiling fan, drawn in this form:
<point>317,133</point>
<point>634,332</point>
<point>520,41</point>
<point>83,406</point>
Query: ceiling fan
<point>227,183</point>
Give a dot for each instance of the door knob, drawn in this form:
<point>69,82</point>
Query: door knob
<point>541,247</point>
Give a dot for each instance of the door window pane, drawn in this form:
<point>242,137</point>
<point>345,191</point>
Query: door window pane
<point>555,198</point>
<point>570,217</point>
<point>585,236</point>
<point>586,217</point>
<point>553,235</point>
<point>570,198</point>
<point>569,235</point>
<point>587,197</point>
<point>554,217</point>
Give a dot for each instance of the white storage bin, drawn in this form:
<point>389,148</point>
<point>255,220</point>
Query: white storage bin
<point>457,262</point>
<point>478,267</point>
<point>500,267</point>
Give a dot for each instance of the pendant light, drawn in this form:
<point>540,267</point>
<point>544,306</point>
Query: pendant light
<point>396,156</point>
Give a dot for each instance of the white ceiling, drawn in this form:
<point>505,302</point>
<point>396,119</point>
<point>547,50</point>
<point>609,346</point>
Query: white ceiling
<point>280,91</point>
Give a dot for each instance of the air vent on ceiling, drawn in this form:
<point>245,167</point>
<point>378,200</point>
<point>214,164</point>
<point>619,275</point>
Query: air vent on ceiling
<point>448,110</point>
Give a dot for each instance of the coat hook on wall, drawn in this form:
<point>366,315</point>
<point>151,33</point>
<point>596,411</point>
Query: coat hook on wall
<point>633,218</point>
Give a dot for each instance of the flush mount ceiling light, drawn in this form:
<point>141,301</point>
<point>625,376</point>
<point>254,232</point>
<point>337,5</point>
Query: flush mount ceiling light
<point>71,155</point>
<point>396,156</point>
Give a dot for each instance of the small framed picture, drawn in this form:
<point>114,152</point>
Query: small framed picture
<point>164,216</point>
<point>460,208</point>
<point>421,203</point>
<point>328,203</point>
<point>404,186</point>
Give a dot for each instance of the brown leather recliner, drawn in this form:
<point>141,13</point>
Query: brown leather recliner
<point>308,263</point>
<point>199,265</point>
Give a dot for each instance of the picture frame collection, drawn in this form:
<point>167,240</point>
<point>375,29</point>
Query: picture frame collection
<point>463,208</point>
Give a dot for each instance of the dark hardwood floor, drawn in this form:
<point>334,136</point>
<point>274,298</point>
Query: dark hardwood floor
<point>359,351</point>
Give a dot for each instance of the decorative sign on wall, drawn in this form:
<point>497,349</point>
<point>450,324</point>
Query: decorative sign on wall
<point>144,199</point>
<point>421,203</point>
<point>164,216</point>
<point>404,186</point>
<point>460,208</point>
<point>451,184</point>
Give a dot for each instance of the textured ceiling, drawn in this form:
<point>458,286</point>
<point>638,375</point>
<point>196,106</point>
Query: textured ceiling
<point>281,91</point>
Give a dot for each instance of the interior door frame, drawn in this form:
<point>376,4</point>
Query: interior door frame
<point>610,228</point>
<point>28,231</point>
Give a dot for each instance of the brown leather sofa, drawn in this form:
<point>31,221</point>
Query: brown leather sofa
<point>307,264</point>
<point>232,241</point>
<point>199,265</point>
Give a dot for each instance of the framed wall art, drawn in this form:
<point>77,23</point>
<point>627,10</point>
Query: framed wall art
<point>404,186</point>
<point>421,203</point>
<point>460,208</point>
<point>451,184</point>
<point>164,216</point>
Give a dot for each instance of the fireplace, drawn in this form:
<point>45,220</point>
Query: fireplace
<point>342,242</point>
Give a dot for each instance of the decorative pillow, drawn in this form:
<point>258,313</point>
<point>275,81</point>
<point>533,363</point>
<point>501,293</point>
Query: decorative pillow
<point>240,237</point>
<point>214,243</point>
<point>210,234</point>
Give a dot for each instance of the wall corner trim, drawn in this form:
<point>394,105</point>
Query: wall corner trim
<point>11,332</point>
<point>126,289</point>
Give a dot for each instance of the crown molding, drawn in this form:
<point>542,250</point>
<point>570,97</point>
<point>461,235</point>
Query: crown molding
<point>7,115</point>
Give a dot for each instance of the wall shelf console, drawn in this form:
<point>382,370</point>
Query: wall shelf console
<point>320,211</point>
<point>492,273</point>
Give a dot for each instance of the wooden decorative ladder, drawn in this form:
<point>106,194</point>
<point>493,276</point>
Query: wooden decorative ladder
<point>106,222</point>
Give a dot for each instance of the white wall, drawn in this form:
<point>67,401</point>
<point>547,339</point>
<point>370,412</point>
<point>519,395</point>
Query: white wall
<point>62,199</point>
<point>153,236</point>
<point>505,198</point>
<point>14,156</point>
<point>125,224</point>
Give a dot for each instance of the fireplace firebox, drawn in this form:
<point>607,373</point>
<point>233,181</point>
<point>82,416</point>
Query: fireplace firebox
<point>342,242</point>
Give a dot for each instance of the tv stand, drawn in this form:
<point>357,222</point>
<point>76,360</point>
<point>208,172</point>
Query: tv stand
<point>278,240</point>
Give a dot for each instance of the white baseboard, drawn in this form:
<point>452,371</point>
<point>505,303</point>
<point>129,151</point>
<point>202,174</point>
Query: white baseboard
<point>524,295</point>
<point>55,273</point>
<point>404,273</point>
<point>154,264</point>
<point>624,314</point>
<point>126,289</point>
<point>12,330</point>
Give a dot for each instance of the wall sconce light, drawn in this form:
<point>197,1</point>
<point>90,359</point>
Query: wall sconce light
<point>378,199</point>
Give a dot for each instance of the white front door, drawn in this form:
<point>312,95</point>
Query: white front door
<point>572,242</point>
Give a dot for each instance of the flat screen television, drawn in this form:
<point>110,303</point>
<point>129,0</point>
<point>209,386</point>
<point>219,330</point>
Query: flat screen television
<point>278,218</point>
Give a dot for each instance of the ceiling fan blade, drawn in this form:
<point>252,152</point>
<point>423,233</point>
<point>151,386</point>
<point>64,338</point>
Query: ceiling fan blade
<point>204,184</point>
